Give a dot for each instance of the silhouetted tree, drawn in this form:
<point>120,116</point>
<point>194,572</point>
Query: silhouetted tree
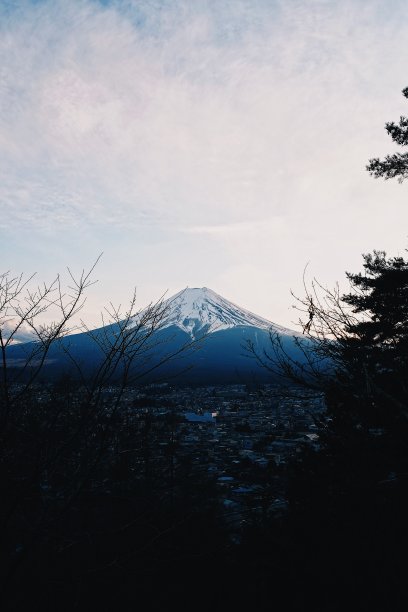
<point>349,496</point>
<point>395,165</point>
<point>354,348</point>
<point>70,450</point>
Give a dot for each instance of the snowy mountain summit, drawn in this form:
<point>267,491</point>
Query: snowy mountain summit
<point>201,310</point>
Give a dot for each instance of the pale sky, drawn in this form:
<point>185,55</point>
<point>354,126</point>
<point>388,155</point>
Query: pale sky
<point>217,143</point>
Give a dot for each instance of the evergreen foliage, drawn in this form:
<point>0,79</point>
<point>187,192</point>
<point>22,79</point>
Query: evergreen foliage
<point>378,343</point>
<point>395,165</point>
<point>349,499</point>
<point>367,393</point>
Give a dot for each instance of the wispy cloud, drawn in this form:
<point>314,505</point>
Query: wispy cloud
<point>178,112</point>
<point>230,228</point>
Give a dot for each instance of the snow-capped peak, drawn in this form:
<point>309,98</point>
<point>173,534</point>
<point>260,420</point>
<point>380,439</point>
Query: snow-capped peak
<point>202,310</point>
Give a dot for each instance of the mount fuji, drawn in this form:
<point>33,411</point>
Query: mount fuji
<point>205,332</point>
<point>199,310</point>
<point>220,330</point>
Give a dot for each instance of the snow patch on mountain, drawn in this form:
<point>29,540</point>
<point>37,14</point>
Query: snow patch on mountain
<point>201,310</point>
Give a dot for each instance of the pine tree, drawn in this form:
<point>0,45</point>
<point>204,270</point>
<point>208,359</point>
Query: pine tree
<point>377,343</point>
<point>366,390</point>
<point>395,165</point>
<point>349,499</point>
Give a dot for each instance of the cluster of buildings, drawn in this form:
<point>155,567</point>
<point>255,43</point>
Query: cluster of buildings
<point>227,444</point>
<point>240,439</point>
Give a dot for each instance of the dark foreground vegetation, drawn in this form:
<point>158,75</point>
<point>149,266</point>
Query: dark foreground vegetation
<point>101,509</point>
<point>102,519</point>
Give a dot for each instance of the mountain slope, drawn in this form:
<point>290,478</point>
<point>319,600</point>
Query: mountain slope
<point>201,310</point>
<point>213,329</point>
